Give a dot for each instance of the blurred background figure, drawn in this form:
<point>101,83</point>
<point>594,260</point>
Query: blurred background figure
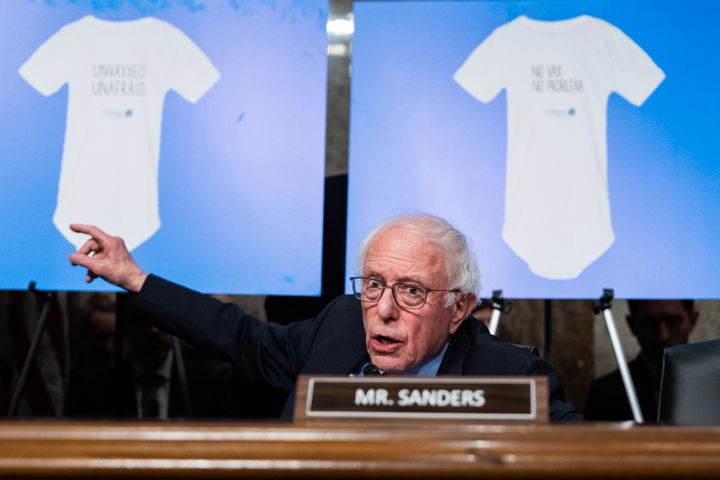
<point>93,333</point>
<point>146,383</point>
<point>656,324</point>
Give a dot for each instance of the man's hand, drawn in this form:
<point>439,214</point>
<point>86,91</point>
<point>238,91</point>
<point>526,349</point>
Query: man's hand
<point>108,258</point>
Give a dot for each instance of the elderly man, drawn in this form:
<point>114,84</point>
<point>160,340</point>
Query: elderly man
<point>418,285</point>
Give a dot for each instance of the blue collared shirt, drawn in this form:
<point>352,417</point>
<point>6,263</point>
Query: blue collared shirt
<point>428,368</point>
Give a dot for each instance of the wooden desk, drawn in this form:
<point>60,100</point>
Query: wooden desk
<point>224,450</point>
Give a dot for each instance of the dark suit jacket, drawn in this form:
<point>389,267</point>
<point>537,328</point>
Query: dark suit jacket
<point>331,343</point>
<point>607,400</point>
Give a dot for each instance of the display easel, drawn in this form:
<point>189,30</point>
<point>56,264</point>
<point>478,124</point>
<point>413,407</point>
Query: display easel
<point>499,305</point>
<point>46,298</point>
<point>123,307</point>
<point>603,305</point>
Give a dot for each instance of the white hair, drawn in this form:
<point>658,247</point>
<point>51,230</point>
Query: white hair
<point>460,264</point>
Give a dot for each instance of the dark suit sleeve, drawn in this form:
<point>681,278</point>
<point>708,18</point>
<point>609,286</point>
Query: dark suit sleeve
<point>261,351</point>
<point>499,358</point>
<point>561,409</point>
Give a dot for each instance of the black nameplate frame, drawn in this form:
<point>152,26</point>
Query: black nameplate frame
<point>481,399</point>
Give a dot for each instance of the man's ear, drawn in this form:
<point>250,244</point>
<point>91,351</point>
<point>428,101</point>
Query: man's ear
<point>463,306</point>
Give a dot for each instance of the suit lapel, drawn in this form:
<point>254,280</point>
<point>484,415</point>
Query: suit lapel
<point>341,359</point>
<point>460,344</point>
<point>341,346</point>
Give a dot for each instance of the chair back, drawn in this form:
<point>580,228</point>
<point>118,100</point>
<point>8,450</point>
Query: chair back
<point>690,385</point>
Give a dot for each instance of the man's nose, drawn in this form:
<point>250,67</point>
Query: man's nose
<point>387,306</point>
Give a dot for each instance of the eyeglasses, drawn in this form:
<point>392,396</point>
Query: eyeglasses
<point>407,295</point>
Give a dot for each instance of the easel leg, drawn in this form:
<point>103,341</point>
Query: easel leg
<point>499,305</point>
<point>32,352</point>
<point>603,305</point>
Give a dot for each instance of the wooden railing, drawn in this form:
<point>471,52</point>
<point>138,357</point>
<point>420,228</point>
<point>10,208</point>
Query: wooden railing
<point>197,450</point>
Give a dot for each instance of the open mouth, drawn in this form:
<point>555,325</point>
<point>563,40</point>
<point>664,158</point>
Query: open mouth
<point>384,344</point>
<point>386,340</point>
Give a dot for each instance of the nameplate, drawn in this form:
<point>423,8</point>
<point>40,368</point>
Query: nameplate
<point>505,399</point>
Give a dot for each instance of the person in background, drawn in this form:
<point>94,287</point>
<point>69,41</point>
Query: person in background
<point>656,324</point>
<point>146,383</point>
<point>93,333</point>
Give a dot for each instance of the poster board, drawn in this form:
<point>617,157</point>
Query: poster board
<point>422,142</point>
<point>221,185</point>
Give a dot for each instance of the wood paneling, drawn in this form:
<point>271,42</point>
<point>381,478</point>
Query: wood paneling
<point>354,450</point>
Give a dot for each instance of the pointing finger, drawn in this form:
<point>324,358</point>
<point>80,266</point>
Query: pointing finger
<point>101,237</point>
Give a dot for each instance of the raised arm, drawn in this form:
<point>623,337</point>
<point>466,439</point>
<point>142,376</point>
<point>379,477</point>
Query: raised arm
<point>107,257</point>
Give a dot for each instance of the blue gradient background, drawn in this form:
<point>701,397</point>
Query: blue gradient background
<point>241,171</point>
<point>419,142</point>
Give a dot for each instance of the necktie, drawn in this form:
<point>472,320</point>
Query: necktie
<point>369,370</point>
<point>150,384</point>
